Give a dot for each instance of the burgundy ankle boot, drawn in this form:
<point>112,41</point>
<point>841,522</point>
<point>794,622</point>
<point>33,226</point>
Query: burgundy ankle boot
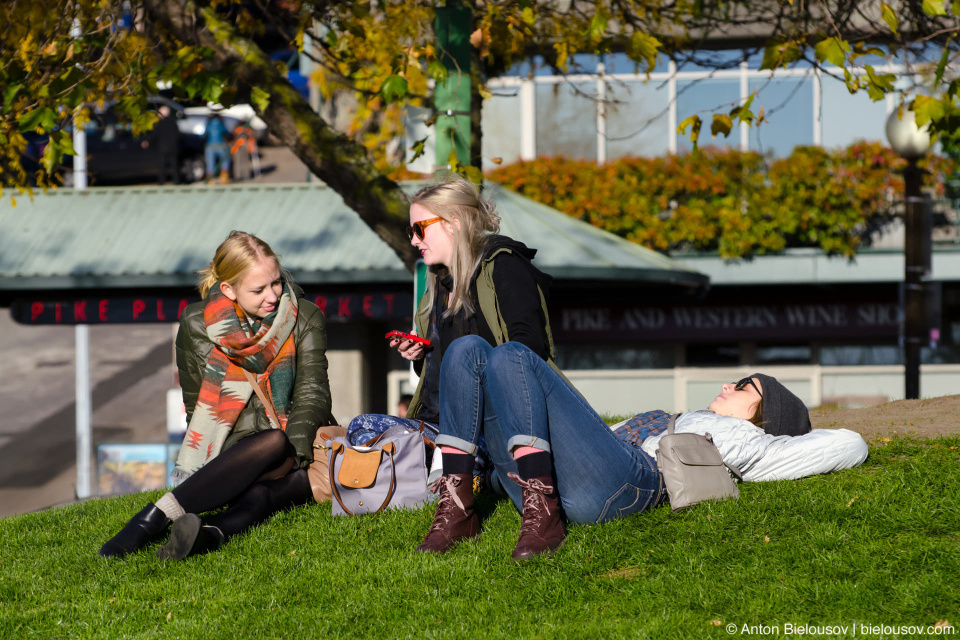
<point>455,519</point>
<point>542,529</point>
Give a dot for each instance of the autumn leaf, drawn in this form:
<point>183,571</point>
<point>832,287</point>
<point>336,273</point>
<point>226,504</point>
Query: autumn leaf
<point>721,124</point>
<point>694,123</point>
<point>473,174</point>
<point>418,149</point>
<point>832,50</point>
<point>394,88</point>
<point>644,47</point>
<point>889,17</point>
<point>927,108</point>
<point>934,8</point>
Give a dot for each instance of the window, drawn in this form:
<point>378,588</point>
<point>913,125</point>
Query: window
<point>713,355</point>
<point>788,104</point>
<point>703,97</point>
<point>847,118</point>
<point>587,357</point>
<point>859,355</point>
<point>783,354</point>
<point>502,127</point>
<point>567,119</point>
<point>637,121</point>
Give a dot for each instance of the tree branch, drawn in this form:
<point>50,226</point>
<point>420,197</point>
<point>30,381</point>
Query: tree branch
<point>332,156</point>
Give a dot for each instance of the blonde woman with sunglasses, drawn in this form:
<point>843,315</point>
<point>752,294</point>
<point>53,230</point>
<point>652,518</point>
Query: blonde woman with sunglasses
<point>480,284</point>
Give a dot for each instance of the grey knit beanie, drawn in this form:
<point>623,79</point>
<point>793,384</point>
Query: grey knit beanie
<point>784,414</point>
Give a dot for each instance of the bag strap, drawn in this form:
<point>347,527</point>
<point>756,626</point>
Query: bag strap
<point>672,423</point>
<point>734,470</point>
<point>271,413</point>
<point>423,426</point>
<point>335,451</point>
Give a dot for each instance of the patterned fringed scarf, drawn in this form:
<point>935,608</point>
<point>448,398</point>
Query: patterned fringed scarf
<point>267,350</point>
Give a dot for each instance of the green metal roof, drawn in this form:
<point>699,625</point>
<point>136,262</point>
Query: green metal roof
<point>120,237</point>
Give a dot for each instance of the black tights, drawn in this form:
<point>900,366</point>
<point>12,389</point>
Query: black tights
<point>249,476</point>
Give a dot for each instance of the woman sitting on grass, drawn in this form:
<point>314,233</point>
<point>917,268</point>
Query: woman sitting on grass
<point>553,455</point>
<point>234,452</point>
<point>479,283</point>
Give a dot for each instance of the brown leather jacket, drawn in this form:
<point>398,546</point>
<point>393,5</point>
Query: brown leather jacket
<point>311,391</point>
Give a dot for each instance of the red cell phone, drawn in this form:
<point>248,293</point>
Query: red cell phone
<point>403,335</point>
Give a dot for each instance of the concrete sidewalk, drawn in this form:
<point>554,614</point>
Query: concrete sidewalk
<point>131,370</point>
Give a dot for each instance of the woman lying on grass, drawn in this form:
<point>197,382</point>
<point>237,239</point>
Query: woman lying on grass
<point>250,320</point>
<point>554,455</point>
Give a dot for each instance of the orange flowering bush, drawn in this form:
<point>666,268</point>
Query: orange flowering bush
<point>736,203</point>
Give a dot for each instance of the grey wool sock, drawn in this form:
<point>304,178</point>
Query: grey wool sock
<point>169,505</point>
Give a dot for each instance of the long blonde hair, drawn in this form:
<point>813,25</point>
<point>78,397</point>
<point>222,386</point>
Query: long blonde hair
<point>234,257</point>
<point>460,199</point>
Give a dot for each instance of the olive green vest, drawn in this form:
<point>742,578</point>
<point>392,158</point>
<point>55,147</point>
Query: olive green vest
<point>489,307</point>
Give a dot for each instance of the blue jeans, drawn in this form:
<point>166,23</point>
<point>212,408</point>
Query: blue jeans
<point>513,398</point>
<point>217,157</point>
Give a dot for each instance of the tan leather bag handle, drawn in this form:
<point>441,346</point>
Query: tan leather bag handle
<point>271,412</point>
<point>337,449</point>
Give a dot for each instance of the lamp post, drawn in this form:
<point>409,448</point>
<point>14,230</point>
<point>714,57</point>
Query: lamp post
<point>911,143</point>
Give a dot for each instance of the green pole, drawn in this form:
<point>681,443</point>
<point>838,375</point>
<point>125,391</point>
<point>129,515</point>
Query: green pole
<point>452,97</point>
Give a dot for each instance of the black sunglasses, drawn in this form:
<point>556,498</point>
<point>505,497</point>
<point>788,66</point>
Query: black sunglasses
<point>417,228</point>
<point>740,385</point>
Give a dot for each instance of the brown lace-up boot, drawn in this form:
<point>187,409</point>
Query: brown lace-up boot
<point>455,519</point>
<point>542,529</point>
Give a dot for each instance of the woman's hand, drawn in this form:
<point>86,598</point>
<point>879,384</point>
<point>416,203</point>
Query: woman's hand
<point>408,349</point>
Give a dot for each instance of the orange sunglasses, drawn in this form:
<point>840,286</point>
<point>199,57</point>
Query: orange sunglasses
<point>417,228</point>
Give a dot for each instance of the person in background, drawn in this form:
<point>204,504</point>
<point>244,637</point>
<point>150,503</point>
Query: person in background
<point>404,404</point>
<point>216,149</point>
<point>238,452</point>
<point>166,137</point>
<point>242,150</point>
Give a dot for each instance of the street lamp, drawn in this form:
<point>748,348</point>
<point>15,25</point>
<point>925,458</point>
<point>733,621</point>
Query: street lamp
<point>911,143</point>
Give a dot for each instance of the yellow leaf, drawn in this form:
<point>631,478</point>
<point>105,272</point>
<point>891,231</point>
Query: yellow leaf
<point>169,615</point>
<point>500,160</point>
<point>852,500</point>
<point>716,623</point>
<point>766,538</point>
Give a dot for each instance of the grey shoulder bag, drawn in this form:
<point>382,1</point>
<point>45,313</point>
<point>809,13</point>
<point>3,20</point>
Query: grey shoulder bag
<point>693,470</point>
<point>390,472</point>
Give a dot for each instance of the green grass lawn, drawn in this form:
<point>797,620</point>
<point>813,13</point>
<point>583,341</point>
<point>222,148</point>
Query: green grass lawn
<point>877,545</point>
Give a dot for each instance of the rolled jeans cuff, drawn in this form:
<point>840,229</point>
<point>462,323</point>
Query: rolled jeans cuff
<point>446,440</point>
<point>528,441</point>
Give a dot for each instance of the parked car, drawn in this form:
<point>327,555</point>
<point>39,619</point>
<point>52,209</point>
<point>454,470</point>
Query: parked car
<point>115,155</point>
<point>195,119</point>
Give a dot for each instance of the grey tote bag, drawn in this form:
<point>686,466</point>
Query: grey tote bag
<point>390,473</point>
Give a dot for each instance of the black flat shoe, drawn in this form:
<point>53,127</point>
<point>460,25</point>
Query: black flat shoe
<point>143,528</point>
<point>190,537</point>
